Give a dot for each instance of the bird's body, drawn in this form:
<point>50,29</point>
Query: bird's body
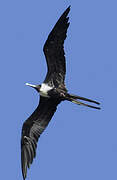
<point>52,91</point>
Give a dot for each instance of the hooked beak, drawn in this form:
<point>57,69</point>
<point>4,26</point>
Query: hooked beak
<point>31,85</point>
<point>36,87</point>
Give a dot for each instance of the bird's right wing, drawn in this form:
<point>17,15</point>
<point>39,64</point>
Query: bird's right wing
<point>32,129</point>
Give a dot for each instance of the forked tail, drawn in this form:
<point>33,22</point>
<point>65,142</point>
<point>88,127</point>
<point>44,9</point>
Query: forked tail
<point>73,98</point>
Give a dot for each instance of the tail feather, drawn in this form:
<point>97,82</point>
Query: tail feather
<point>73,98</point>
<point>83,98</point>
<point>81,103</point>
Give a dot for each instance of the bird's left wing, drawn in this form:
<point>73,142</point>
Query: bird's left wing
<point>54,51</point>
<point>32,129</point>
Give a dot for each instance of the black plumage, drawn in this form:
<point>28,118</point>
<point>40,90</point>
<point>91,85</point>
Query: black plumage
<point>52,92</point>
<point>32,129</point>
<point>54,51</point>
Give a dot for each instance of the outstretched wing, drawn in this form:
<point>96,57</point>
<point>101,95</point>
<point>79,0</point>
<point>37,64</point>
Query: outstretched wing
<point>54,51</point>
<point>32,129</point>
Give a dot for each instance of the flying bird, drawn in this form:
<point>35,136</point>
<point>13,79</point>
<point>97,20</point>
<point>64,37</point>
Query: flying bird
<point>52,92</point>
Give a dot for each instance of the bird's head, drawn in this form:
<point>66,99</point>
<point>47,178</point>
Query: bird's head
<point>37,87</point>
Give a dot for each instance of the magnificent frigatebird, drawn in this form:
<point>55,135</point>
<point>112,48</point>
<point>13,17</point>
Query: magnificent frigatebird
<point>52,92</point>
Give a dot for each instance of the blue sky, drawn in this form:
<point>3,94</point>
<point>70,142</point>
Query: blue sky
<point>79,143</point>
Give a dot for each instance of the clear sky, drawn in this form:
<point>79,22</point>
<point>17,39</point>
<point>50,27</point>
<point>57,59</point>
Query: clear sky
<point>80,143</point>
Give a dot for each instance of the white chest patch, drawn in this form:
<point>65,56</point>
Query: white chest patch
<point>44,90</point>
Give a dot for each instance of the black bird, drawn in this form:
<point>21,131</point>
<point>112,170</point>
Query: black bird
<point>52,92</point>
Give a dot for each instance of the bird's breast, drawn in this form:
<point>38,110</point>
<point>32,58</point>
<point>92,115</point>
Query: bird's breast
<point>44,90</point>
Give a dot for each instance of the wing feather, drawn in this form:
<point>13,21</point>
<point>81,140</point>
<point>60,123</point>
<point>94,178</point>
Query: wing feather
<point>54,51</point>
<point>33,128</point>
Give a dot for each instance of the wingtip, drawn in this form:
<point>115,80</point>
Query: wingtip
<point>68,9</point>
<point>24,163</point>
<point>24,174</point>
<point>24,178</point>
